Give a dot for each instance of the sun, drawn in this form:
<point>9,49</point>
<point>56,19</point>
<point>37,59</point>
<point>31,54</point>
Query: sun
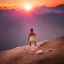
<point>28,7</point>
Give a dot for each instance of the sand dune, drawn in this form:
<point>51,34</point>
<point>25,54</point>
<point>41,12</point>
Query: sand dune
<point>53,53</point>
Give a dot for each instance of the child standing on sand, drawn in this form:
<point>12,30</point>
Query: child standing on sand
<point>31,37</point>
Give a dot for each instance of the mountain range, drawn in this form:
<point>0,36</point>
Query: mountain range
<point>44,9</point>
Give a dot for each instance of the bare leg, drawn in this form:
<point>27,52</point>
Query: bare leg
<point>30,43</point>
<point>35,43</point>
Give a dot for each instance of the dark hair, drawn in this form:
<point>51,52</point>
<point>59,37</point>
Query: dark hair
<point>31,29</point>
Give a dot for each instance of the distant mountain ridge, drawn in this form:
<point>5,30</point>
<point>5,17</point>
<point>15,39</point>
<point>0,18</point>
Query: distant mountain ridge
<point>60,7</point>
<point>44,9</point>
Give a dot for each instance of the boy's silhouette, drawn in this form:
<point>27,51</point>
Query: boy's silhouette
<point>31,37</point>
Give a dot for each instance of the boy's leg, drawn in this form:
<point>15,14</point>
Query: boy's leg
<point>30,43</point>
<point>35,43</point>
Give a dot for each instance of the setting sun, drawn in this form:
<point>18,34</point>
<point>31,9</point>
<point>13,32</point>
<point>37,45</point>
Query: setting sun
<point>28,7</point>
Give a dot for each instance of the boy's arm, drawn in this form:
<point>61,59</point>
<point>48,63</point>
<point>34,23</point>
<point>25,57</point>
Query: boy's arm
<point>34,34</point>
<point>28,37</point>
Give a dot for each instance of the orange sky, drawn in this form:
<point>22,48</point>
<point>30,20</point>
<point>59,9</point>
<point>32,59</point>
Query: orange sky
<point>21,3</point>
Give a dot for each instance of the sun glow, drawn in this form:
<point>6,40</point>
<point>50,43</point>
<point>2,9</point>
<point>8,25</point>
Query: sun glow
<point>28,7</point>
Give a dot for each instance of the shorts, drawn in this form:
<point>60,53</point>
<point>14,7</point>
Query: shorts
<point>32,38</point>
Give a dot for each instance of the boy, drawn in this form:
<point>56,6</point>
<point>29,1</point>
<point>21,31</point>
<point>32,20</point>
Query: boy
<point>32,36</point>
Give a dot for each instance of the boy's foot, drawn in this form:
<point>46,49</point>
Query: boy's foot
<point>35,45</point>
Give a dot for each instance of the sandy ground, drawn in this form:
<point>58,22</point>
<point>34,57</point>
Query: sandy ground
<point>27,54</point>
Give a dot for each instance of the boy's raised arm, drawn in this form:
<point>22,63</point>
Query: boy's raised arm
<point>34,34</point>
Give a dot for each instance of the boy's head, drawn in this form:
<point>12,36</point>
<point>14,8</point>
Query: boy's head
<point>31,30</point>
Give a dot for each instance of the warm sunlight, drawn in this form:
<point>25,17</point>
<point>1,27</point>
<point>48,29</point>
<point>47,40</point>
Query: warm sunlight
<point>28,7</point>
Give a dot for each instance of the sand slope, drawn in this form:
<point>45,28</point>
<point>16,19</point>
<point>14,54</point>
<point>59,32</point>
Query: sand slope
<point>27,55</point>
